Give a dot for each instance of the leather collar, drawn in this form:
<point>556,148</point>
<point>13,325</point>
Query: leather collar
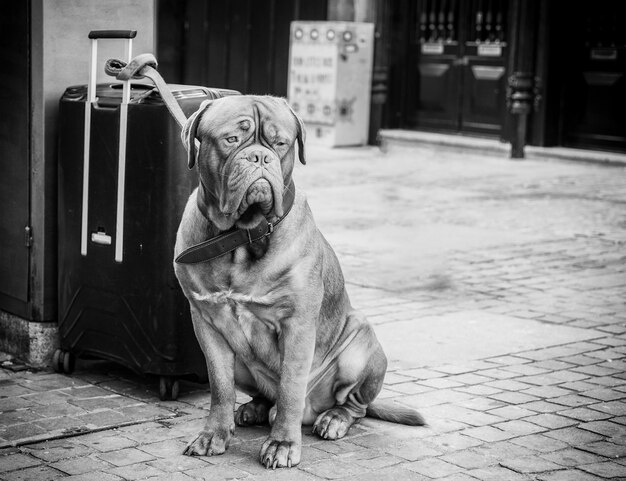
<point>229,240</point>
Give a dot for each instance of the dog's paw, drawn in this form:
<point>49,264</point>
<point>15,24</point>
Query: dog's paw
<point>333,423</point>
<point>277,453</point>
<point>209,443</point>
<point>253,413</point>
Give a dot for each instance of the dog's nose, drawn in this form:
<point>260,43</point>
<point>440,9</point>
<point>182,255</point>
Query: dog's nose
<point>259,157</point>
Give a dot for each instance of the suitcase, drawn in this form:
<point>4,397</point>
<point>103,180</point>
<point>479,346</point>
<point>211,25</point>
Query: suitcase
<point>119,209</point>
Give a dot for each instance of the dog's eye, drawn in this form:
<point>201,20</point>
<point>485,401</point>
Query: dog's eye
<point>231,140</point>
<point>280,143</point>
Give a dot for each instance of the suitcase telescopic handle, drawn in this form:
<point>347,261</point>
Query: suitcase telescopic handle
<point>95,34</point>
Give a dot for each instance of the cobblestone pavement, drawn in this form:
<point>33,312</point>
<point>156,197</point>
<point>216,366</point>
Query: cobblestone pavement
<point>498,290</point>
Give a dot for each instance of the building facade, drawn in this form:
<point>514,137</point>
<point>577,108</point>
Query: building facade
<point>523,71</point>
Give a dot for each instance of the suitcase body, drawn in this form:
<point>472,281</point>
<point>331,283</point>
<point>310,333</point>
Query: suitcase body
<point>128,309</point>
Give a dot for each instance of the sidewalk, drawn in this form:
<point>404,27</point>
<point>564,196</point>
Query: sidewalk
<point>498,289</point>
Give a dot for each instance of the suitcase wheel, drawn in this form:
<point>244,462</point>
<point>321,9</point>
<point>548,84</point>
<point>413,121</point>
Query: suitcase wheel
<point>63,361</point>
<point>168,388</point>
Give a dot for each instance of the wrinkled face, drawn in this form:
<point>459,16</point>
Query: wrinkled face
<point>245,158</point>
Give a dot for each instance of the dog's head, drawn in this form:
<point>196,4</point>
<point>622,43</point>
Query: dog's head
<point>246,153</point>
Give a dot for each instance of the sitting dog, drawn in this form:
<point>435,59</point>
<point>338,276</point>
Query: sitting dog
<point>266,292</point>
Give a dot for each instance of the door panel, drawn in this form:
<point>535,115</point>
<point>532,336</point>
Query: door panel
<point>483,99</point>
<point>14,157</point>
<point>436,80</point>
<point>438,89</point>
<point>594,113</point>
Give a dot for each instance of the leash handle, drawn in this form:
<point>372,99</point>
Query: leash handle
<point>94,35</point>
<point>145,65</point>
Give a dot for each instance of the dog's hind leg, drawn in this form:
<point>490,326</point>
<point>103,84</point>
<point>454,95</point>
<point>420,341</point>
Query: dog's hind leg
<point>254,412</point>
<point>359,379</point>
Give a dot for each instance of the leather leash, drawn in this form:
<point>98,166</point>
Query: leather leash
<point>145,65</point>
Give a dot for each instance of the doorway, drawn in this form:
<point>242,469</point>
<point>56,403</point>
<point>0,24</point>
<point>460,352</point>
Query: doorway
<point>455,57</point>
<point>590,48</point>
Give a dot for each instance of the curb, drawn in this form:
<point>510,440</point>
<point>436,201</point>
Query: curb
<point>399,137</point>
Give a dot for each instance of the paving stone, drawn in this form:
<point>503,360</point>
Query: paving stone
<point>605,469</point>
<point>543,407</point>
<point>496,373</point>
<point>568,475</point>
<point>51,451</point>
<point>469,378</point>
<point>514,398</point>
<point>530,464</point>
<point>410,388</point>
<point>420,373</point>
<point>124,457</point>
<point>507,385</point>
<point>137,471</point>
<point>584,414</point>
<point>81,465</point>
<point>19,416</point>
<point>463,415</point>
<point>179,463</point>
<point>574,436</point>
<point>574,400</point>
<point>468,459</point>
<point>394,472</point>
<point>106,441</point>
<point>540,443</point>
<point>21,431</point>
<point>478,390</point>
<point>433,467</point>
<point>153,432</point>
<point>571,457</point>
<point>551,421</point>
<point>511,412</point>
<point>37,473</point>
<point>547,392</point>
<point>519,427</point>
<point>487,434</point>
<point>496,473</point>
<point>170,477</point>
<point>615,408</point>
<point>378,462</point>
<point>333,468</point>
<point>606,428</point>
<point>13,461</point>
<point>596,370</point>
<point>605,448</point>
<point>164,449</point>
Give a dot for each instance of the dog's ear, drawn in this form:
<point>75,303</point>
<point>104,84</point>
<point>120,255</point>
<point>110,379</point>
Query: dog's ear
<point>188,135</point>
<point>301,134</point>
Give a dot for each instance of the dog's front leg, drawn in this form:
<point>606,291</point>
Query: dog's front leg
<point>297,345</point>
<point>219,427</point>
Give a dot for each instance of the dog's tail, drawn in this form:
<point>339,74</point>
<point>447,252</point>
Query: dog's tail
<point>395,413</point>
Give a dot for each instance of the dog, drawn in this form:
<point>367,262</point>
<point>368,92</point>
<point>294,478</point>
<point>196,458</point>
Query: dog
<point>266,292</point>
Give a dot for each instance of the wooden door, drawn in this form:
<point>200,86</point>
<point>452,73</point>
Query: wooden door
<point>456,65</point>
<point>593,44</point>
<point>14,159</point>
<point>236,44</point>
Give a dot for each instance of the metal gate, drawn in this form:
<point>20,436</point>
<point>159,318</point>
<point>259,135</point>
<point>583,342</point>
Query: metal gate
<point>457,53</point>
